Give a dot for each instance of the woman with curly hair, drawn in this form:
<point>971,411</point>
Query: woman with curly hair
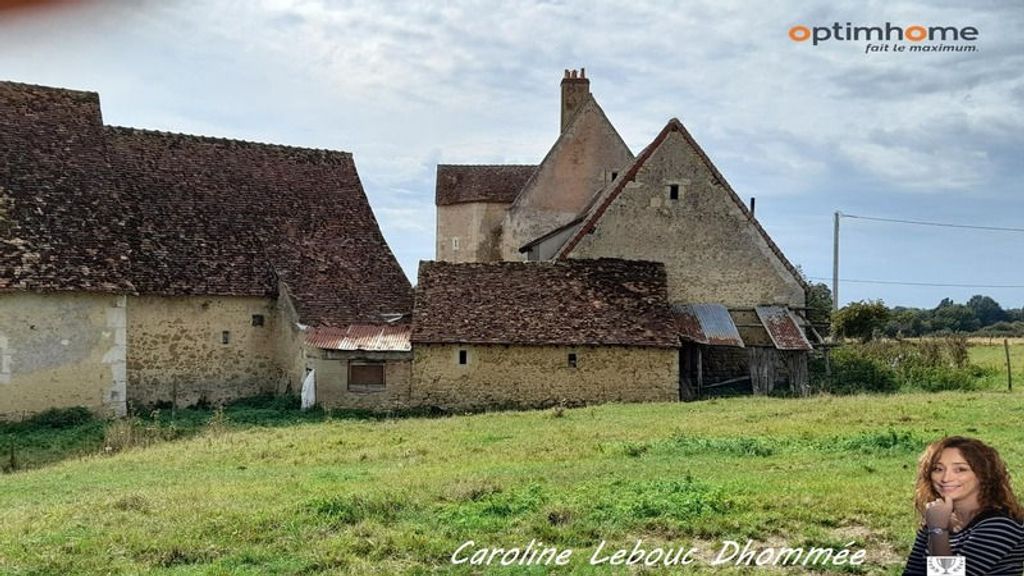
<point>967,508</point>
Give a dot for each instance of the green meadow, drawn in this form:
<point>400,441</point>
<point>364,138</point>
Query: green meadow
<point>278,492</point>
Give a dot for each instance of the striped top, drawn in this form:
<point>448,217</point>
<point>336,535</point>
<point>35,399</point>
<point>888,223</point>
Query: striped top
<point>992,545</point>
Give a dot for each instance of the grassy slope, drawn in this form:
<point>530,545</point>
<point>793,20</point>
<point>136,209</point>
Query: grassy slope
<point>398,496</point>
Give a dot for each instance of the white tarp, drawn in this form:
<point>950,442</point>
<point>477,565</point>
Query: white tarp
<point>309,390</point>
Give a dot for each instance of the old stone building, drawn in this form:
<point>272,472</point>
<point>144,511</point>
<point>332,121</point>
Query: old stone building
<point>537,334</point>
<point>739,301</point>
<point>147,267</point>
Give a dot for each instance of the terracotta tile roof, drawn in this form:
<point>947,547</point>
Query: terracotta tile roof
<point>62,226</point>
<point>573,302</point>
<point>480,183</point>
<point>603,199</point>
<point>191,215</point>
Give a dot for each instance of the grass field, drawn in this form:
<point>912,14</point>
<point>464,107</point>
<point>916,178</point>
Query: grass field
<point>990,354</point>
<point>400,495</point>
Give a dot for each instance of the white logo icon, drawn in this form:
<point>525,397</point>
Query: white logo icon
<point>947,566</point>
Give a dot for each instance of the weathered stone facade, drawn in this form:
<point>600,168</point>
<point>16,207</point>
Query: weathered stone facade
<point>470,232</point>
<point>334,390</point>
<point>712,250</point>
<point>583,160</point>
<point>59,350</point>
<point>537,376</point>
<point>197,349</point>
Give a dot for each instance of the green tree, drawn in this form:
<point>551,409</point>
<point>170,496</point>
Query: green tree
<point>819,306</point>
<point>860,319</point>
<point>987,310</point>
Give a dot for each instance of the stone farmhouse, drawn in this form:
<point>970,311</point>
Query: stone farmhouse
<point>142,268</point>
<point>146,267</point>
<point>738,303</point>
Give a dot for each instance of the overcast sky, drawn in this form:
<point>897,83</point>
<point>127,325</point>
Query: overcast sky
<point>807,129</point>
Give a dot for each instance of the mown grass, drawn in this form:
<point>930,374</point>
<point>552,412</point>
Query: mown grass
<point>398,496</point>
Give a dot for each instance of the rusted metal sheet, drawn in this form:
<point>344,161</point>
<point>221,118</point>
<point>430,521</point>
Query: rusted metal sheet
<point>708,324</point>
<point>783,328</point>
<point>365,337</point>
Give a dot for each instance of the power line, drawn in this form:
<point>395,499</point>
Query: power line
<point>939,224</point>
<point>894,283</point>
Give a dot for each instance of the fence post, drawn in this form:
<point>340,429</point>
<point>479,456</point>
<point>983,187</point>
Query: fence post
<point>1009,373</point>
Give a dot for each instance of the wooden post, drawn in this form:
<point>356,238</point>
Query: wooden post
<point>700,373</point>
<point>174,400</point>
<point>1009,373</point>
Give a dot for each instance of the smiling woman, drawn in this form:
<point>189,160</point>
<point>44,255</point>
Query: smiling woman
<point>967,509</point>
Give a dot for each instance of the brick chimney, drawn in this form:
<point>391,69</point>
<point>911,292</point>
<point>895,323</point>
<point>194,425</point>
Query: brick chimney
<point>575,93</point>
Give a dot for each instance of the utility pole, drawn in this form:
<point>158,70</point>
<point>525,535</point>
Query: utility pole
<point>835,263</point>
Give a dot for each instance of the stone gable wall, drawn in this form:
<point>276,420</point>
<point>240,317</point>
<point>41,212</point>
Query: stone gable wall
<point>712,253</point>
<point>580,164</point>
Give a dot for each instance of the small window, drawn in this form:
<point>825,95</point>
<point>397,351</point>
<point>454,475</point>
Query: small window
<point>572,359</point>
<point>455,244</point>
<point>365,376</point>
<point>673,191</point>
<point>614,176</point>
<point>257,319</point>
<point>463,357</point>
<point>225,337</point>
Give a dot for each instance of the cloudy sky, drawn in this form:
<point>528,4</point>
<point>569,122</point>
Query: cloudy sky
<point>809,130</point>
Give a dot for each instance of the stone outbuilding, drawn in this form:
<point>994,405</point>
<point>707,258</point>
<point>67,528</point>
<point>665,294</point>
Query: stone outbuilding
<point>148,267</point>
<point>740,302</point>
<point>527,334</point>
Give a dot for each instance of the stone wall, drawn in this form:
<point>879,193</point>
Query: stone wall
<point>176,348</point>
<point>59,350</point>
<point>476,226</point>
<point>535,376</point>
<point>332,380</point>
<point>580,163</point>
<point>712,253</point>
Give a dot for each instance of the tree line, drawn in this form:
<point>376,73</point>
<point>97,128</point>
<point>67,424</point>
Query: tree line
<point>980,316</point>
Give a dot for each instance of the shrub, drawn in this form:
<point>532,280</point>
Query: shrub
<point>854,372</point>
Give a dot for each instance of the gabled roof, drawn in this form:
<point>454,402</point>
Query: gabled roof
<point>574,302</point>
<point>174,214</point>
<point>607,196</point>
<point>480,183</point>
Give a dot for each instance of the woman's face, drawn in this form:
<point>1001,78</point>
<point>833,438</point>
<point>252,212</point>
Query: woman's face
<point>952,476</point>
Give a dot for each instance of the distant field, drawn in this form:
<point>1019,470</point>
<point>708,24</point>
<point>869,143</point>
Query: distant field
<point>399,496</point>
<point>993,357</point>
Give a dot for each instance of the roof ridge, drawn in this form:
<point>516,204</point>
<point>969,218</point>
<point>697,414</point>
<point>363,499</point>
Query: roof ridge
<point>222,140</point>
<point>15,83</point>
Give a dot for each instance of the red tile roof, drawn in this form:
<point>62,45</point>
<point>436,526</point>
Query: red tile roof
<point>457,184</point>
<point>175,214</point>
<point>573,302</point>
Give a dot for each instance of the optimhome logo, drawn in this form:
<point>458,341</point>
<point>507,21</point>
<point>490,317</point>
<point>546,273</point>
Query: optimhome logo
<point>892,38</point>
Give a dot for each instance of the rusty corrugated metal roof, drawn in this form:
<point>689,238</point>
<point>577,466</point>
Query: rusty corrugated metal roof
<point>365,337</point>
<point>708,324</point>
<point>783,328</point>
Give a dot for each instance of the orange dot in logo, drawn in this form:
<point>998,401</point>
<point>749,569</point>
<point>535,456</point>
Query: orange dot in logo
<point>915,33</point>
<point>799,33</point>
